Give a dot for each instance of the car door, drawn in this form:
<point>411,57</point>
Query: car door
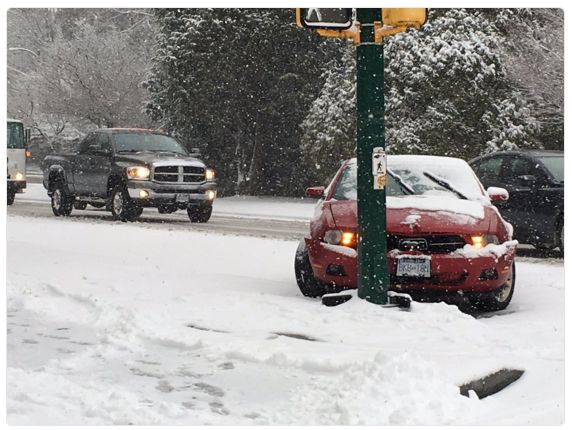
<point>93,165</point>
<point>82,163</point>
<point>492,172</point>
<point>524,182</point>
<point>100,165</point>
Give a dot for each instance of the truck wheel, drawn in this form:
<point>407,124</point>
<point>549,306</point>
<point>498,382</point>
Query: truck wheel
<point>62,202</point>
<point>122,207</point>
<point>200,213</point>
<point>78,204</point>
<point>499,299</point>
<point>11,194</point>
<point>308,284</point>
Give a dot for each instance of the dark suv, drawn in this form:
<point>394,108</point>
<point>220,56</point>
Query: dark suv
<point>535,182</point>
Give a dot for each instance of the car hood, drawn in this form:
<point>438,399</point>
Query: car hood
<point>420,214</point>
<point>158,158</point>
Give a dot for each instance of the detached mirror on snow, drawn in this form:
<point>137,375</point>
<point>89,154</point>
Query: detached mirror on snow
<point>497,194</point>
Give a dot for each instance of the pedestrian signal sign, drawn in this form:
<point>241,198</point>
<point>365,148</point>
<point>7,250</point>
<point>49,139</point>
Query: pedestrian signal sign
<point>324,18</point>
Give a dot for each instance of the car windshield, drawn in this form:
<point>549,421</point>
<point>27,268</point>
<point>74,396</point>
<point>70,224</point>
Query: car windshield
<point>411,171</point>
<point>555,165</point>
<point>149,142</point>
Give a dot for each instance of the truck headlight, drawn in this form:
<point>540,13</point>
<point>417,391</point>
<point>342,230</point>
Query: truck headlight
<point>138,172</point>
<point>19,176</point>
<point>209,174</point>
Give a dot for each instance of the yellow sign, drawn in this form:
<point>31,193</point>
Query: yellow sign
<point>403,17</point>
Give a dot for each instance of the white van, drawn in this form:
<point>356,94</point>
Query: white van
<point>16,151</point>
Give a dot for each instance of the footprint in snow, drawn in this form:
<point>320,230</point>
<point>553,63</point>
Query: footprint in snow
<point>226,365</point>
<point>218,408</point>
<point>30,341</point>
<point>164,386</point>
<point>209,389</point>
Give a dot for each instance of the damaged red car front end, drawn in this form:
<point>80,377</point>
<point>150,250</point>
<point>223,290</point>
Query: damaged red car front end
<point>442,244</point>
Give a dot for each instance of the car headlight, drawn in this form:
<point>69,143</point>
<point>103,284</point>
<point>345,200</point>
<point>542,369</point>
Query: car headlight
<point>209,174</point>
<point>481,240</point>
<point>339,237</point>
<point>138,172</point>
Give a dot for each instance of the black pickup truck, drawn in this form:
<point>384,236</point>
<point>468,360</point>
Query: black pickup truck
<point>126,170</point>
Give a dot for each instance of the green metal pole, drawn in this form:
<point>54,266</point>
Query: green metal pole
<point>373,266</point>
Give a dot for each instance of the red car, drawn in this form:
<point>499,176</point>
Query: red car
<point>445,239</point>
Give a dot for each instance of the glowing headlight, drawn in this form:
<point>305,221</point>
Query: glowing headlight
<point>480,241</point>
<point>211,194</point>
<point>338,237</point>
<point>19,176</point>
<point>210,174</point>
<point>138,172</point>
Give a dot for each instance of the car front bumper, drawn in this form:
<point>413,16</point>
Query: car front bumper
<point>450,273</point>
<point>152,194</point>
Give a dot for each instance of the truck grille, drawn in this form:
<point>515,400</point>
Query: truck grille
<point>431,244</point>
<point>179,174</point>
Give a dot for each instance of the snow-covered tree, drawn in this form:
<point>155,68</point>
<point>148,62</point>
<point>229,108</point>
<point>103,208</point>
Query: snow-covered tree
<point>330,127</point>
<point>448,85</point>
<point>447,92</point>
<point>238,83</point>
<point>94,76</point>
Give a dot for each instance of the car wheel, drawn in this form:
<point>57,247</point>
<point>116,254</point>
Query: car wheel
<point>200,213</point>
<point>78,204</point>
<point>62,202</point>
<point>11,196</point>
<point>308,284</point>
<point>122,208</point>
<point>499,299</point>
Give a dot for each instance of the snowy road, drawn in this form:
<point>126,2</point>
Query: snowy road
<point>111,323</point>
<point>219,223</point>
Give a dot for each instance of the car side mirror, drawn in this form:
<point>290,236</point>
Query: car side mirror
<point>98,150</point>
<point>527,180</point>
<point>315,192</point>
<point>497,194</point>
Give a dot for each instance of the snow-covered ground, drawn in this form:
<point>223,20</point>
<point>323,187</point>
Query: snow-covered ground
<point>110,323</point>
<point>240,206</point>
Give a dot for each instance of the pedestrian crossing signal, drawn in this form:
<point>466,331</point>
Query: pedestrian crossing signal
<point>324,18</point>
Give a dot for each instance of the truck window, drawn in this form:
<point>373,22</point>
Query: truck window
<point>15,137</point>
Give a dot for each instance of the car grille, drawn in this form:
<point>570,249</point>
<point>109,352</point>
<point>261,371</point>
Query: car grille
<point>431,244</point>
<point>179,174</point>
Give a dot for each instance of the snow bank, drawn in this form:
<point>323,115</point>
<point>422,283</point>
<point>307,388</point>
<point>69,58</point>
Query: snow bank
<point>401,389</point>
<point>117,324</point>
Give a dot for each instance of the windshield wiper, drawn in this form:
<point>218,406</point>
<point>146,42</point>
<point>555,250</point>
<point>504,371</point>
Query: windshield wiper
<point>401,183</point>
<point>445,184</point>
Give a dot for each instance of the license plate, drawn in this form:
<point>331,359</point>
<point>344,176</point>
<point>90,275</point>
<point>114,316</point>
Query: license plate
<point>182,198</point>
<point>414,267</point>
